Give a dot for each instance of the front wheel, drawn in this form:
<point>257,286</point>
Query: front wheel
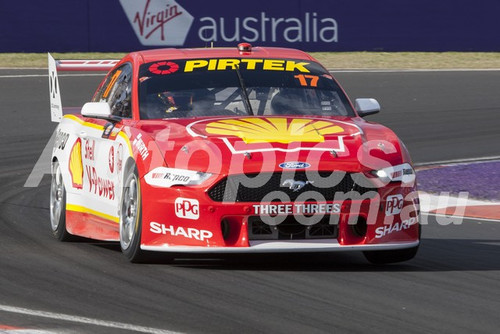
<point>131,216</point>
<point>131,221</point>
<point>393,256</point>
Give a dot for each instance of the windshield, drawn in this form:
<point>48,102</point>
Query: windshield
<point>232,87</point>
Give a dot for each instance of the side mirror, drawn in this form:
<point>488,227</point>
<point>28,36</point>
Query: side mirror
<point>96,109</point>
<point>99,110</point>
<point>366,107</point>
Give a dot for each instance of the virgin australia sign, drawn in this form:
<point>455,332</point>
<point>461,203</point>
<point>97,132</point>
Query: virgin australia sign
<point>158,22</point>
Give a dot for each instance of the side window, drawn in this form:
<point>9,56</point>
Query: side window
<point>117,90</point>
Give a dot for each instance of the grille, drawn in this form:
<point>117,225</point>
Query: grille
<point>254,187</point>
<point>291,229</point>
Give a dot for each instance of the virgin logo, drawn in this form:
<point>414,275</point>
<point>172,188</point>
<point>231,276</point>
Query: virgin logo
<point>158,22</point>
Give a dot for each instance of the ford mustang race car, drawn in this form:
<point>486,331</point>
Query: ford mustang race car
<point>228,150</point>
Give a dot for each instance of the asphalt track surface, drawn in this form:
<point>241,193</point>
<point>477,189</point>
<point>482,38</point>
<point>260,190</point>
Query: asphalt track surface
<point>452,286</point>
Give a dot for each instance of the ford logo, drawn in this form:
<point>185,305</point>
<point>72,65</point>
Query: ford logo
<point>294,165</point>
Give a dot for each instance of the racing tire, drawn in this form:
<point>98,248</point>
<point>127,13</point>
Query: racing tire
<point>58,205</point>
<point>391,256</point>
<point>131,221</point>
<point>131,216</point>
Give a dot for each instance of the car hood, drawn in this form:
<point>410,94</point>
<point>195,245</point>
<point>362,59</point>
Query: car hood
<point>259,144</point>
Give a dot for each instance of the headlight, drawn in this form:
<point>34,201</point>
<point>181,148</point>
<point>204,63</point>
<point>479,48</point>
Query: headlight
<point>400,173</point>
<point>167,177</point>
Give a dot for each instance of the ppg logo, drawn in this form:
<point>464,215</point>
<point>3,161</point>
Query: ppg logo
<point>187,208</point>
<point>394,204</point>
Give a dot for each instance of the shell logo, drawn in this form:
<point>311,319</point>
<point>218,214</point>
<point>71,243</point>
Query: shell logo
<point>274,130</point>
<point>76,165</point>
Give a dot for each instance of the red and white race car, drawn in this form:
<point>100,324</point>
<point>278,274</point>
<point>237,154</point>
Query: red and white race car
<point>229,150</point>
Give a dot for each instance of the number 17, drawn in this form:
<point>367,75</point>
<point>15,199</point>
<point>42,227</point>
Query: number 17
<point>303,82</point>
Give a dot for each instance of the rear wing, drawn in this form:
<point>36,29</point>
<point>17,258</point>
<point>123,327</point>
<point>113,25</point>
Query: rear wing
<point>56,110</point>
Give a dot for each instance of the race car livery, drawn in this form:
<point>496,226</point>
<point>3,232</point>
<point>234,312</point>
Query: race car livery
<point>227,151</point>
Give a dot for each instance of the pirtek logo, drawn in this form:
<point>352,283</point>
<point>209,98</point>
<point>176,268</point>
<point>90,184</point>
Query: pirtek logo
<point>158,22</point>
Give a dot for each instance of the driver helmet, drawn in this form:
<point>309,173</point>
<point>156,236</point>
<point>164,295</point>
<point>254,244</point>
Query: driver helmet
<point>173,101</point>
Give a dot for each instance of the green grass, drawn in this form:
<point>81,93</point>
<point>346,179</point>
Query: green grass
<point>409,60</point>
<point>331,60</point>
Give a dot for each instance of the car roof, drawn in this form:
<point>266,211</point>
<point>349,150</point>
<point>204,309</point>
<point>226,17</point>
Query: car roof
<point>148,56</point>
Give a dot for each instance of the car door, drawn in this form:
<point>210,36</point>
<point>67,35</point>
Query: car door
<point>103,146</point>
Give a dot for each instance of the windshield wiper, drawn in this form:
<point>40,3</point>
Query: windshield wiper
<point>246,99</point>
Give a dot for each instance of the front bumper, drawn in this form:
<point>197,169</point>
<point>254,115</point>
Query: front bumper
<point>280,246</point>
<point>219,227</point>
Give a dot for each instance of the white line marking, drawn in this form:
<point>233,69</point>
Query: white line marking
<point>430,202</point>
<point>457,161</point>
<point>83,320</point>
<point>460,217</point>
<point>46,75</point>
<point>490,243</point>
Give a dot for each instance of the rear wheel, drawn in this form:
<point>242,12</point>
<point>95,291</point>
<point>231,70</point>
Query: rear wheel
<point>58,205</point>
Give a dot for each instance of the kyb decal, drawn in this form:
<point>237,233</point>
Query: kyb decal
<point>187,208</point>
